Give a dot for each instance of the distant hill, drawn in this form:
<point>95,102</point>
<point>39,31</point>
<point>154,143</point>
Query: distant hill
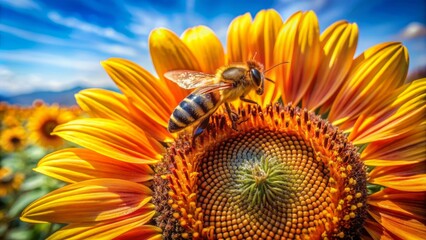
<point>65,97</point>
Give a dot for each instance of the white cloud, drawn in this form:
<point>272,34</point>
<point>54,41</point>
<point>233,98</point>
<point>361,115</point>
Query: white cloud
<point>220,27</point>
<point>413,30</point>
<point>61,72</point>
<point>98,80</point>
<point>145,21</point>
<point>25,83</point>
<point>22,4</point>
<point>288,7</point>
<point>115,49</point>
<point>327,11</point>
<point>5,73</point>
<point>22,82</point>
<point>63,61</point>
<point>118,50</point>
<point>78,24</point>
<point>32,36</point>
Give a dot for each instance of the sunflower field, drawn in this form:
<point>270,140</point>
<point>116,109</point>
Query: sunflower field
<point>25,138</point>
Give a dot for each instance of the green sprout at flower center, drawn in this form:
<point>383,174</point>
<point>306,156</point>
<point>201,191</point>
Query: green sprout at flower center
<point>263,181</point>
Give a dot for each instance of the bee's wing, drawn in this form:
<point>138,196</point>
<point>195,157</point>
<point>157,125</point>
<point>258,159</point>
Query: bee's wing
<point>214,87</point>
<point>190,79</point>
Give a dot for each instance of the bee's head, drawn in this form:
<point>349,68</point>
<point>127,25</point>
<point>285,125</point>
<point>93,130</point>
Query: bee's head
<point>258,79</point>
<point>258,75</point>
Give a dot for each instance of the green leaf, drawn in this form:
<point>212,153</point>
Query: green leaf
<point>24,200</point>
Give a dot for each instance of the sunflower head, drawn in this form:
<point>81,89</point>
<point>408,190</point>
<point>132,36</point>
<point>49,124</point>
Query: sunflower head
<point>13,139</point>
<point>10,121</point>
<point>9,181</point>
<point>285,173</point>
<point>42,122</point>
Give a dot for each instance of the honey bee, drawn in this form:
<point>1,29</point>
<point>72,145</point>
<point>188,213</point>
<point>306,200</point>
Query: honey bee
<point>211,91</point>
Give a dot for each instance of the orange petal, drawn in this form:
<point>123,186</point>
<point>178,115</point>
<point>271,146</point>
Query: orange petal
<point>107,229</point>
<point>408,204</point>
<point>88,201</point>
<point>237,42</point>
<point>339,42</point>
<point>112,139</point>
<point>406,111</point>
<point>169,52</point>
<point>377,231</point>
<point>401,213</point>
<point>406,148</point>
<point>378,70</point>
<point>206,47</point>
<point>150,100</point>
<point>143,232</point>
<point>79,164</point>
<point>405,178</point>
<point>263,34</point>
<point>298,43</point>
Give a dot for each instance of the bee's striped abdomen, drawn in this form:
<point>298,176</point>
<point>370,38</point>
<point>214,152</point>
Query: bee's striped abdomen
<point>193,108</point>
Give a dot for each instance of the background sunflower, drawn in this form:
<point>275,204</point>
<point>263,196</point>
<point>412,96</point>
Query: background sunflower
<point>43,121</point>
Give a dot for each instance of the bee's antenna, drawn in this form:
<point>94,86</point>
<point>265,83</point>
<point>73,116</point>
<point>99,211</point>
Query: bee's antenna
<point>270,80</point>
<point>254,56</point>
<point>276,65</point>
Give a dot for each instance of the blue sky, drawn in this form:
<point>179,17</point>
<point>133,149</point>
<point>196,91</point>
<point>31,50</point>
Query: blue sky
<point>56,45</point>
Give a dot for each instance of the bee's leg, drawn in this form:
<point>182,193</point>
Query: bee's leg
<point>248,100</point>
<point>201,127</point>
<point>233,116</point>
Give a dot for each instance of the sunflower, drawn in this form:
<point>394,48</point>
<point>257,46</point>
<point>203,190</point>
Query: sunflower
<point>42,122</point>
<point>9,181</point>
<point>10,121</point>
<point>335,149</point>
<point>13,139</point>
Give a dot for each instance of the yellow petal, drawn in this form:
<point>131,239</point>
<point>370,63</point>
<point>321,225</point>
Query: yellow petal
<point>88,201</point>
<point>79,164</point>
<point>107,229</point>
<point>405,178</point>
<point>379,70</point>
<point>237,42</point>
<point>339,42</point>
<point>112,139</point>
<point>298,43</point>
<point>143,232</point>
<point>169,52</point>
<point>401,226</point>
<point>406,112</point>
<point>406,148</point>
<point>206,47</point>
<point>100,103</point>
<point>263,34</point>
<point>150,100</point>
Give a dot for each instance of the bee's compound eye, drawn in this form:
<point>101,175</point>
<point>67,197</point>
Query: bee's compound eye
<point>257,76</point>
